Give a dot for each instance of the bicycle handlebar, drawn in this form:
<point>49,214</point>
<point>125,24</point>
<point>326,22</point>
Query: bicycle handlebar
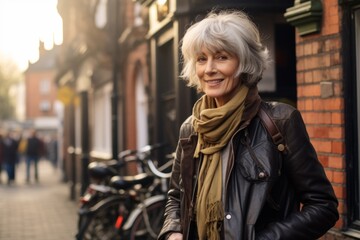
<point>156,171</point>
<point>149,148</point>
<point>143,155</point>
<point>127,152</point>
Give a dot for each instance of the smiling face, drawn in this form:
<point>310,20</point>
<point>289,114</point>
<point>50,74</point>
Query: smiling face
<point>216,72</point>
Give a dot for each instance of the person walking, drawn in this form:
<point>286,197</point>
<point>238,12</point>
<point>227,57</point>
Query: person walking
<point>52,150</point>
<point>9,152</point>
<point>1,156</point>
<point>33,152</point>
<point>229,179</point>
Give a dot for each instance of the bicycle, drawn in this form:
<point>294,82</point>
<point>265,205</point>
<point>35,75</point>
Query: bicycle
<point>132,204</point>
<point>100,174</point>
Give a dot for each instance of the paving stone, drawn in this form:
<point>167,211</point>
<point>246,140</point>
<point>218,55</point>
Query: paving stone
<point>37,211</point>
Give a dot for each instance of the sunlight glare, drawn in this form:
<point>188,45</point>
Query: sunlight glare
<point>23,23</point>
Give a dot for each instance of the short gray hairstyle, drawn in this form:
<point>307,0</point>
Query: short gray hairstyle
<point>230,31</point>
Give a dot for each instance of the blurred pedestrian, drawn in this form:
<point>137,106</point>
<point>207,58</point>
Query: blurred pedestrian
<point>52,150</point>
<point>9,149</point>
<point>1,155</point>
<point>22,148</point>
<point>34,150</point>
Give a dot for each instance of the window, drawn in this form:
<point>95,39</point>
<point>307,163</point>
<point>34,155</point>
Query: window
<point>142,111</point>
<point>45,106</point>
<point>45,86</point>
<point>101,14</point>
<point>102,122</point>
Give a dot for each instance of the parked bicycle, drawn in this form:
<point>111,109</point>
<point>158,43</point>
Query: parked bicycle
<point>100,174</point>
<point>129,207</point>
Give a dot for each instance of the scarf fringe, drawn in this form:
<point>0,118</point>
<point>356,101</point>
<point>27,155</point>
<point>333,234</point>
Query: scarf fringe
<point>213,220</point>
<point>215,212</point>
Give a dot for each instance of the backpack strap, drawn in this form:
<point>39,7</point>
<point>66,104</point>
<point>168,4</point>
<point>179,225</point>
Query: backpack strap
<point>271,128</point>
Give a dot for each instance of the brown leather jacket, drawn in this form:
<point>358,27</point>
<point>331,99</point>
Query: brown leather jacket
<point>263,187</point>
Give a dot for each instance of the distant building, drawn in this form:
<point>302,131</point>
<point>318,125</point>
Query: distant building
<point>41,105</point>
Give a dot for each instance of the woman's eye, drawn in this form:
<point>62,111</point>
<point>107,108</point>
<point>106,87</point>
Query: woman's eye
<point>222,57</point>
<point>200,59</point>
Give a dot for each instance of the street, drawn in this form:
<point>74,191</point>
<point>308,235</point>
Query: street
<point>37,211</point>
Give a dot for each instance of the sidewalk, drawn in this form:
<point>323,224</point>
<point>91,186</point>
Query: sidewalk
<point>37,211</point>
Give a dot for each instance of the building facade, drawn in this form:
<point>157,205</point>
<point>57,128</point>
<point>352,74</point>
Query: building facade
<point>327,53</point>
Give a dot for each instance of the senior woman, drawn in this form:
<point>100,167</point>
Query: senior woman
<point>229,180</point>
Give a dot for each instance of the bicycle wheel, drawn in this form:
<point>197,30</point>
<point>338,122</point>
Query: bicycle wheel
<point>83,217</point>
<point>148,224</point>
<point>101,225</point>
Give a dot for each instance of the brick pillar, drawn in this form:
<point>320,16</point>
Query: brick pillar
<point>320,96</point>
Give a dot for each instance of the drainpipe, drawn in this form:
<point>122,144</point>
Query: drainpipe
<point>71,149</point>
<point>84,141</point>
<point>115,96</point>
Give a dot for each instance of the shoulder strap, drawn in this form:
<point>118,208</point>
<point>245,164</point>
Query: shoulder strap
<point>272,128</point>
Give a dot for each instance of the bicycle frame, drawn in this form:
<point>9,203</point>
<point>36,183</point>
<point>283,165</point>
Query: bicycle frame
<point>139,209</point>
<point>126,206</point>
<point>88,212</point>
<point>123,223</point>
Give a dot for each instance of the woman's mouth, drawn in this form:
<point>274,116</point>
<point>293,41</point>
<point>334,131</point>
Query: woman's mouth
<point>213,82</point>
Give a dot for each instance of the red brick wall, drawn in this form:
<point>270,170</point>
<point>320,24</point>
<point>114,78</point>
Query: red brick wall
<point>318,61</point>
<point>34,97</point>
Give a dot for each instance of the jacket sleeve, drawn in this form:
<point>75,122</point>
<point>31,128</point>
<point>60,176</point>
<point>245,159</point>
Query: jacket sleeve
<point>172,209</point>
<point>319,204</point>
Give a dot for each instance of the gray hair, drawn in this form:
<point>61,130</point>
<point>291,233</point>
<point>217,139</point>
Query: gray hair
<point>230,31</point>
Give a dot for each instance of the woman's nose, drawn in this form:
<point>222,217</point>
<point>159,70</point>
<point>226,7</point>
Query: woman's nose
<point>210,67</point>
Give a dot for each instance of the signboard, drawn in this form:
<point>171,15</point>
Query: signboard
<point>65,94</point>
